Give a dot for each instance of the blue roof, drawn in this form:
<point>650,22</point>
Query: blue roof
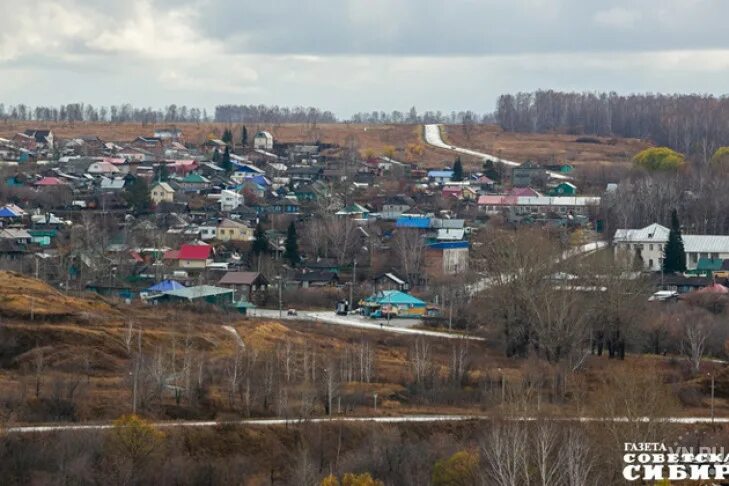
<point>395,297</point>
<point>413,222</point>
<point>440,173</point>
<point>260,180</point>
<point>166,285</point>
<point>448,245</point>
<point>7,213</point>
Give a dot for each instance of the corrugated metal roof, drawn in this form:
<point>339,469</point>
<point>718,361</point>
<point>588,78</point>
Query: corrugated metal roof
<point>653,232</point>
<point>706,243</point>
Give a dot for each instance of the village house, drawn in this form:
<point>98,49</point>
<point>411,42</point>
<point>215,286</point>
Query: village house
<point>229,230</point>
<point>245,284</point>
<point>263,141</point>
<point>169,135</point>
<point>440,177</point>
<point>230,200</point>
<point>194,257</point>
<point>162,192</point>
<point>527,174</point>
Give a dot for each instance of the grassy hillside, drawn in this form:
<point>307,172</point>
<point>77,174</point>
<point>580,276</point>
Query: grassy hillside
<point>65,358</point>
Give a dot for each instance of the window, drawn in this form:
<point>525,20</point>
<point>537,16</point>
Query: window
<point>650,247</point>
<point>650,263</point>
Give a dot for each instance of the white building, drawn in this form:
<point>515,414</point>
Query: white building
<point>263,141</point>
<point>650,242</point>
<point>647,242</point>
<point>229,200</point>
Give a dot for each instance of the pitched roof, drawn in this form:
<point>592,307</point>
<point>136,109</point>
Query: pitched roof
<point>395,297</point>
<point>198,291</point>
<point>166,285</point>
<point>165,186</point>
<point>653,232</point>
<point>195,252</point>
<point>242,278</point>
<point>706,243</point>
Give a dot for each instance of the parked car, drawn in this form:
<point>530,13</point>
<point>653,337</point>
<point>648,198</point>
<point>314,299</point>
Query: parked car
<point>291,312</point>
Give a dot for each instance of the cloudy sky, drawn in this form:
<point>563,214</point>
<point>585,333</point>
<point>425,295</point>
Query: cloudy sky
<point>354,55</point>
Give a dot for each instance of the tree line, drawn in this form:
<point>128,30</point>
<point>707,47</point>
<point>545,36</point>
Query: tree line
<point>272,114</point>
<point>413,117</point>
<point>82,112</point>
<point>695,125</point>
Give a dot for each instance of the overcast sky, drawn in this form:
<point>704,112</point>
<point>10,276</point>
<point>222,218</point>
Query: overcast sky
<point>354,55</point>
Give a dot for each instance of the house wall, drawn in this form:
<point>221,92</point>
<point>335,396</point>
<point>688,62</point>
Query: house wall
<point>194,264</point>
<point>651,253</point>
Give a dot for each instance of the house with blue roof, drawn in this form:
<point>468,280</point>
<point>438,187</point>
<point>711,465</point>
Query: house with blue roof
<point>393,302</point>
<point>412,221</point>
<point>440,176</point>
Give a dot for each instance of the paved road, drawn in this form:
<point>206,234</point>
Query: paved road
<point>45,428</point>
<point>400,326</point>
<point>432,137</point>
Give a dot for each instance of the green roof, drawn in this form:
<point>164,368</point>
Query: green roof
<point>711,264</point>
<point>395,297</point>
<point>194,178</point>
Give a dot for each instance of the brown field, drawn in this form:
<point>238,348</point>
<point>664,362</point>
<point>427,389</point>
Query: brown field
<point>374,139</point>
<point>549,148</point>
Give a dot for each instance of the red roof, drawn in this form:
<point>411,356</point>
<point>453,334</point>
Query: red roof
<point>523,192</point>
<point>171,255</point>
<point>50,181</point>
<point>195,252</point>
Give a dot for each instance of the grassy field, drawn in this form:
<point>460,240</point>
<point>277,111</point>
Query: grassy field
<point>406,140</point>
<point>546,147</point>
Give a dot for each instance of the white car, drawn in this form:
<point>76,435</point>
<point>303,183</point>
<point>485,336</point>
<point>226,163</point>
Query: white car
<point>663,295</point>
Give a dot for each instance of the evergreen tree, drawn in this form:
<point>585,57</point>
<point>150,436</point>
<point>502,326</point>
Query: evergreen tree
<point>457,170</point>
<point>137,195</point>
<point>225,161</point>
<point>162,173</point>
<point>216,156</point>
<point>674,255</point>
<point>227,136</point>
<point>260,244</point>
<point>491,171</point>
<point>291,246</point>
<point>244,136</point>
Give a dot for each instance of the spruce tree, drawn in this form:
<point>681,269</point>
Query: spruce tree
<point>216,156</point>
<point>674,255</point>
<point>227,136</point>
<point>291,246</point>
<point>457,170</point>
<point>244,136</point>
<point>225,162</point>
<point>260,244</point>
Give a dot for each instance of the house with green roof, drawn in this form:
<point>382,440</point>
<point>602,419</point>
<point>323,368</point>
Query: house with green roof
<point>355,211</point>
<point>194,183</point>
<point>394,303</point>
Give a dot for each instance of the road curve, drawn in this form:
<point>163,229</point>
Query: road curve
<point>47,428</point>
<point>433,137</point>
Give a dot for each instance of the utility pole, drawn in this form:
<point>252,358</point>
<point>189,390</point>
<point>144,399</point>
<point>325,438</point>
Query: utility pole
<point>280,298</point>
<point>351,288</point>
<point>712,398</point>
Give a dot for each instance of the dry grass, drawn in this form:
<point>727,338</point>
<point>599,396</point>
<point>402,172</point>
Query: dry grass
<point>546,147</point>
<point>375,139</point>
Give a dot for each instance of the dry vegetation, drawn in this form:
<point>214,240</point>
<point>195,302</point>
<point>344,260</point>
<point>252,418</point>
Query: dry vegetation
<point>69,358</point>
<point>406,140</point>
<point>550,148</point>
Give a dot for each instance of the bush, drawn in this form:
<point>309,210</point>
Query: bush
<point>659,159</point>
